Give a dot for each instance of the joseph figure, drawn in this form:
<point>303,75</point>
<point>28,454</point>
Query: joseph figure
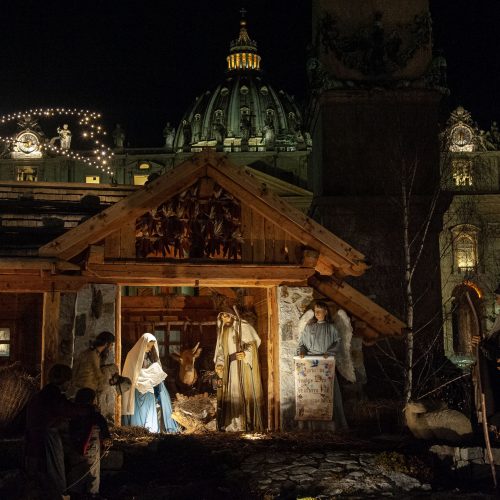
<point>239,397</point>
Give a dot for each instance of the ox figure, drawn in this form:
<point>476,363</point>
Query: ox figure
<point>187,358</point>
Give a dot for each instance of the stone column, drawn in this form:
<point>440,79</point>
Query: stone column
<point>292,302</point>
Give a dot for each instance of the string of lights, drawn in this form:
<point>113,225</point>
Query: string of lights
<point>91,130</point>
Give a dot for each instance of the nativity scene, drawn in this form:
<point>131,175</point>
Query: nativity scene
<point>203,294</point>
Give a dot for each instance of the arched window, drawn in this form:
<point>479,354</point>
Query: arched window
<point>465,248</point>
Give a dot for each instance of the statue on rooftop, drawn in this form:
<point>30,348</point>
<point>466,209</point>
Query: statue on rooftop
<point>64,137</point>
<point>169,134</point>
<point>245,129</point>
<point>187,135</point>
<point>219,133</point>
<point>483,141</point>
<point>494,135</point>
<point>118,136</point>
<point>269,132</point>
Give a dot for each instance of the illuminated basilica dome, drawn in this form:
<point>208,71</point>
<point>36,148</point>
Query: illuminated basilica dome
<point>243,113</point>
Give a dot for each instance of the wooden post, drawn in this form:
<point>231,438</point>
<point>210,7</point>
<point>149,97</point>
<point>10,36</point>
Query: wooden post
<point>50,332</point>
<point>309,257</point>
<point>273,380</point>
<point>118,348</point>
<point>127,240</point>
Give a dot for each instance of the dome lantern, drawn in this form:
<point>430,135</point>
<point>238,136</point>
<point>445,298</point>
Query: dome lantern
<point>243,51</point>
<point>243,113</point>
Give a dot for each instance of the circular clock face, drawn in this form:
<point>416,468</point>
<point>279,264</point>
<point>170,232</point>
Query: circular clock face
<point>461,136</point>
<point>27,142</point>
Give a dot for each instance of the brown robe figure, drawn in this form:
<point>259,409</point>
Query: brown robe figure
<point>239,398</point>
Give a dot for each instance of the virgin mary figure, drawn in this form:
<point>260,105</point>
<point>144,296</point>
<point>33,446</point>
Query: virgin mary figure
<point>147,403</point>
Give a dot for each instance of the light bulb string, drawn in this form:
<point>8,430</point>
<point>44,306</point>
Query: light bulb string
<point>88,120</point>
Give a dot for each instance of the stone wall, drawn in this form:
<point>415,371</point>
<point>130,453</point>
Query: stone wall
<point>292,302</point>
<point>94,313</point>
<point>483,213</point>
<point>468,463</point>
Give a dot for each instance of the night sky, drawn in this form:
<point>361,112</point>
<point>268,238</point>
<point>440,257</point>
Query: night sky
<point>142,63</point>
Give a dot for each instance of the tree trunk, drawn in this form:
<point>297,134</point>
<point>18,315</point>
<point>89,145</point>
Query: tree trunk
<point>408,368</point>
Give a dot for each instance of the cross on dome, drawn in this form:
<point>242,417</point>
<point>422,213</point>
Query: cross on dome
<point>243,51</point>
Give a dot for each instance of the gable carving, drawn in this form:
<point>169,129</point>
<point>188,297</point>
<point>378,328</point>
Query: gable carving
<point>203,221</point>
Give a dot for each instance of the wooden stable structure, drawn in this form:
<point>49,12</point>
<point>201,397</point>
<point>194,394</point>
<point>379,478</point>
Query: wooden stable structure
<point>205,224</point>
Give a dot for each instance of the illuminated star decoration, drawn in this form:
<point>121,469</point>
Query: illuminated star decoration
<point>91,130</point>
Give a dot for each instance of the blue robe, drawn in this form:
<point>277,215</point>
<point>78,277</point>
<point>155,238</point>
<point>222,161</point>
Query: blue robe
<point>146,415</point>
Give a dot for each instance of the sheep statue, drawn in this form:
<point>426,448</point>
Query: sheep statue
<point>439,424</point>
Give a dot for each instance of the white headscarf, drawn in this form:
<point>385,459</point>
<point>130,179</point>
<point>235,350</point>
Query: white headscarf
<point>132,369</point>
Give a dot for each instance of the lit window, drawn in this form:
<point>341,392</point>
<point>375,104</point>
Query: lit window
<point>140,180</point>
<point>144,165</point>
<point>27,174</point>
<point>462,172</point>
<point>92,179</point>
<point>466,252</point>
<point>465,247</point>
<point>4,342</point>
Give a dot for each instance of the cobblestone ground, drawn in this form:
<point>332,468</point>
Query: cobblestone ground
<point>266,466</point>
<point>328,474</point>
<point>281,467</point>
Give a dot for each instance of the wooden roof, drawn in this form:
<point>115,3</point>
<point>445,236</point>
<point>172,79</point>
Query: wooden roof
<point>116,225</point>
<point>335,254</point>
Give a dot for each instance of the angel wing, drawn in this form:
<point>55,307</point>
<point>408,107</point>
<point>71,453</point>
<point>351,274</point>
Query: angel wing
<point>344,362</point>
<point>304,319</point>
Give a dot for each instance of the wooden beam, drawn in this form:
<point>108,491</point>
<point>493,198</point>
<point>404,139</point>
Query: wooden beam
<point>118,349</point>
<point>34,263</point>
<point>246,233</point>
<point>50,332</point>
<point>172,301</point>
<point>112,245</point>
<point>240,182</point>
<point>258,238</point>
<point>324,266</point>
<point>225,274</point>
<point>106,222</point>
<point>39,284</point>
<point>378,319</point>
<point>227,292</point>
<point>273,391</point>
<point>96,254</point>
<point>127,240</point>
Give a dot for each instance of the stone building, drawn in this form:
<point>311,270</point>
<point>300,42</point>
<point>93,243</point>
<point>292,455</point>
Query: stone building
<point>470,238</point>
<point>374,111</point>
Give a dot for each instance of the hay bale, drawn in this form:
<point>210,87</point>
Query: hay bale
<point>17,388</point>
<point>195,413</point>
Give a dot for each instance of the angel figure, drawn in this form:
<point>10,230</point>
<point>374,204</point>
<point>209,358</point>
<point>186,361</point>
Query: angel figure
<point>319,336</point>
